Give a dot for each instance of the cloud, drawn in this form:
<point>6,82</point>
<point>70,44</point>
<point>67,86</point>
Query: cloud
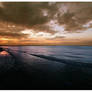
<point>38,15</point>
<point>11,31</point>
<point>27,14</point>
<point>75,16</point>
<point>12,35</point>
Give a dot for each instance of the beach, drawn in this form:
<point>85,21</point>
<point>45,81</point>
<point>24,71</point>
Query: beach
<point>41,67</point>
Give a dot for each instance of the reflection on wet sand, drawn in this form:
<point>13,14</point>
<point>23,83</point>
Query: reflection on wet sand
<point>4,53</point>
<point>43,71</point>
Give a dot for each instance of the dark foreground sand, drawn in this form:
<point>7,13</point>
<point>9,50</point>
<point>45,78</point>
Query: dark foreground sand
<point>19,70</point>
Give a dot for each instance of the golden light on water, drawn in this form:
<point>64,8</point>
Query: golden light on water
<point>4,53</point>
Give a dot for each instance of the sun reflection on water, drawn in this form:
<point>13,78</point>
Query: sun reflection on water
<point>4,53</point>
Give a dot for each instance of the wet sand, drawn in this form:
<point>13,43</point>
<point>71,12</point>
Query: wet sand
<point>20,70</point>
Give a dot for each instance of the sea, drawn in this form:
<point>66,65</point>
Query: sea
<point>74,53</point>
<point>46,67</point>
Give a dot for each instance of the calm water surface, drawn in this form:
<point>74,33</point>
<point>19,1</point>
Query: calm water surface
<point>75,53</point>
<point>41,70</point>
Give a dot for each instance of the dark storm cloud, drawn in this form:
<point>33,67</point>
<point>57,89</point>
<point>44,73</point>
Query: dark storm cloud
<point>12,35</point>
<point>75,16</point>
<point>10,31</point>
<point>28,14</point>
<point>36,16</point>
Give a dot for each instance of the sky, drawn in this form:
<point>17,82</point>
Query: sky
<point>45,23</point>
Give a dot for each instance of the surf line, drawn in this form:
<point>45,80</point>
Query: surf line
<point>65,61</point>
<point>70,62</point>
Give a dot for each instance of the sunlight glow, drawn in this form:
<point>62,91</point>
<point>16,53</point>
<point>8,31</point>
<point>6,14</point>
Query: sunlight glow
<point>44,35</point>
<point>3,53</point>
